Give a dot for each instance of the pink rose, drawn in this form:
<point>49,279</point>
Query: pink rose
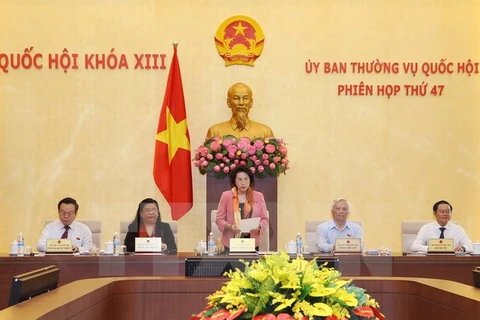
<point>280,140</point>
<point>260,169</point>
<point>270,148</point>
<point>209,156</point>
<point>226,160</point>
<point>284,161</point>
<point>251,150</point>
<point>258,144</point>
<point>236,162</point>
<point>243,156</point>
<point>264,156</point>
<point>271,166</point>
<point>253,158</point>
<point>252,169</point>
<point>232,148</point>
<point>257,162</point>
<point>216,168</point>
<point>231,155</point>
<point>222,165</point>
<point>276,159</point>
<point>215,146</point>
<point>226,143</point>
<point>242,145</point>
<point>205,164</point>
<point>226,169</point>
<point>243,163</point>
<point>282,149</point>
<point>196,163</point>
<point>244,140</point>
<point>218,156</point>
<point>203,151</point>
<point>266,162</point>
<point>232,166</point>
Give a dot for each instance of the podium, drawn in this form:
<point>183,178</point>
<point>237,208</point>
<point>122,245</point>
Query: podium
<point>267,186</point>
<point>217,266</point>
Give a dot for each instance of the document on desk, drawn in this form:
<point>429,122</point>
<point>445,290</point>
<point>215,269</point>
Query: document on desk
<point>248,224</point>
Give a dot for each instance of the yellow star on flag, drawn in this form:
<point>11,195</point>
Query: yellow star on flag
<point>239,29</point>
<point>174,135</point>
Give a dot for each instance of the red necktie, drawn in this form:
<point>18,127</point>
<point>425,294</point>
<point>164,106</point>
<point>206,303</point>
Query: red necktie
<point>65,234</point>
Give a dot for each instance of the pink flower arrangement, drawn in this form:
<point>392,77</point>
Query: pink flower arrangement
<point>264,157</point>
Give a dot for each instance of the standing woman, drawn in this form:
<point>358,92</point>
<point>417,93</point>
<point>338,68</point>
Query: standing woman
<point>241,202</point>
<point>148,223</point>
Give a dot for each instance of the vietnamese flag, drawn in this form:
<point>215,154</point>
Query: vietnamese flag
<point>172,163</point>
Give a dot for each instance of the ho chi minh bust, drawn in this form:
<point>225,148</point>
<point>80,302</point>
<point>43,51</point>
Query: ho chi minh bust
<point>239,100</point>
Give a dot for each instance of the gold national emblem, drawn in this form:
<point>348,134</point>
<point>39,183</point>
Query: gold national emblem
<point>239,40</point>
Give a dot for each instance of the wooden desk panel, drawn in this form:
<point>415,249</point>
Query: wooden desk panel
<point>439,267</point>
<point>76,268</point>
<point>179,297</point>
<point>420,298</point>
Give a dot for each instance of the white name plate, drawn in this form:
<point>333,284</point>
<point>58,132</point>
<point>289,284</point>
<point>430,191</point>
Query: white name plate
<point>148,244</point>
<point>59,245</point>
<point>440,245</point>
<point>242,245</point>
<point>347,245</point>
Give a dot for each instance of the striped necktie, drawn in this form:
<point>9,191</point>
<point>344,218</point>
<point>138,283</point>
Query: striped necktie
<point>65,234</point>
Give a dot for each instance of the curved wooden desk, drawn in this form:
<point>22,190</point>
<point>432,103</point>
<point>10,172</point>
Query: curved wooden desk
<point>74,268</point>
<point>179,297</point>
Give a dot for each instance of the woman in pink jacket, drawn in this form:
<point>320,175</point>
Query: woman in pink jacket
<point>241,202</point>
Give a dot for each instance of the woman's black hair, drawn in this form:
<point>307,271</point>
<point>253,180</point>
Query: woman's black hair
<point>141,205</point>
<point>236,170</point>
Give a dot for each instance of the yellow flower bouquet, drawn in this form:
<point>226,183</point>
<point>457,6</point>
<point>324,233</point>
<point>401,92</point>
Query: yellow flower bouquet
<point>277,287</point>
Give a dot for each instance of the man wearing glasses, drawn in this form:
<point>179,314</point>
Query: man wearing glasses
<point>441,228</point>
<point>67,228</point>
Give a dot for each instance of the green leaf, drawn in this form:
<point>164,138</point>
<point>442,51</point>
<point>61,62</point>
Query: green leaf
<point>211,311</point>
<point>267,285</point>
<point>306,289</point>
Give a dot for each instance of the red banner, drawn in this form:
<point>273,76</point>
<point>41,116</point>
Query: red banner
<point>172,163</point>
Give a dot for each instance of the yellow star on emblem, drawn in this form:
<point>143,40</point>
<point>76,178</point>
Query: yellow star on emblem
<point>240,29</point>
<point>174,135</point>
